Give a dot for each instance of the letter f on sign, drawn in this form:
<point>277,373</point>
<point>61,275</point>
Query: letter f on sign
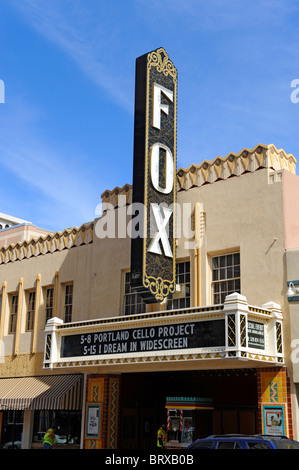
<point>158,106</point>
<point>161,222</point>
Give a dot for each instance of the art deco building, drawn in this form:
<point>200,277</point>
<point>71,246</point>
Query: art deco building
<point>80,348</point>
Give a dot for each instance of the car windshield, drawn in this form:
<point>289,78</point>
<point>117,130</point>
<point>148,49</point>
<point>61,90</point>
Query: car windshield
<point>285,444</point>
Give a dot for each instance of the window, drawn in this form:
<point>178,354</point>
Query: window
<point>182,298</point>
<point>225,276</point>
<point>228,445</point>
<point>133,303</point>
<point>49,301</point>
<point>68,425</point>
<point>14,313</point>
<point>203,445</point>
<point>68,303</point>
<point>258,445</point>
<point>30,311</point>
<point>12,428</point>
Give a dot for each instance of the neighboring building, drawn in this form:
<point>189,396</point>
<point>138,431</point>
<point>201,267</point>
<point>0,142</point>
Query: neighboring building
<point>14,230</point>
<point>7,221</point>
<point>20,233</point>
<point>83,350</point>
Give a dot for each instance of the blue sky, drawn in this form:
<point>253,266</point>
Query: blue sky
<point>66,127</point>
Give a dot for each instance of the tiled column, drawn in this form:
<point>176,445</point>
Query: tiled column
<point>101,412</point>
<point>274,395</point>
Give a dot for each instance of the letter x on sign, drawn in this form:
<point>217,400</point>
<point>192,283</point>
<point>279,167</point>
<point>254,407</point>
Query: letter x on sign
<point>161,220</point>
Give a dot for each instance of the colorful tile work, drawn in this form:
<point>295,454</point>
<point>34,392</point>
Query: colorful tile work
<point>274,389</point>
<point>113,413</point>
<point>92,444</point>
<point>94,396</point>
<point>95,390</point>
<point>274,386</point>
<point>103,390</point>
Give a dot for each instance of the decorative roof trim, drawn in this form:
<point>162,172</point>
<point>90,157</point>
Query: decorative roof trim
<point>50,243</point>
<point>221,168</point>
<point>236,164</point>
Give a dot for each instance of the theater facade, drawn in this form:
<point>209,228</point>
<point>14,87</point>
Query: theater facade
<point>194,326</point>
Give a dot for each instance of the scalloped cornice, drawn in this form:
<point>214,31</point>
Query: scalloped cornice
<point>42,245</point>
<point>112,197</point>
<point>221,168</point>
<point>235,164</point>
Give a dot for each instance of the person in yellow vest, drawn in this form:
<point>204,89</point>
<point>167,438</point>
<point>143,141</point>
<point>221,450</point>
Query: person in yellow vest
<point>50,438</point>
<point>162,436</point>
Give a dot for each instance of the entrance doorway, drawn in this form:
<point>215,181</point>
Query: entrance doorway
<point>143,400</point>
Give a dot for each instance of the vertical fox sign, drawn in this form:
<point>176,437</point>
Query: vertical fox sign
<point>154,176</point>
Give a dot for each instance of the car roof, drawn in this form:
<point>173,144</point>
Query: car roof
<point>231,436</point>
<point>243,436</point>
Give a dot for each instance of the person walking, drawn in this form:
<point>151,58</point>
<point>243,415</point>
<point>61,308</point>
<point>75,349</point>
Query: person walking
<point>50,438</point>
<point>162,437</point>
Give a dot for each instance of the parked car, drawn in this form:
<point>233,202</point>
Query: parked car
<point>239,441</point>
<point>13,445</point>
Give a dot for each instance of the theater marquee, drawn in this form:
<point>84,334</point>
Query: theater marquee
<point>146,339</point>
<point>154,175</point>
<point>231,331</point>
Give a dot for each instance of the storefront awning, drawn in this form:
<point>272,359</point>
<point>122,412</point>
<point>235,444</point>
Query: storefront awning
<point>49,392</point>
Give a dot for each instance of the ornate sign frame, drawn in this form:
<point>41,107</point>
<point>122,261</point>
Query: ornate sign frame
<point>154,178</point>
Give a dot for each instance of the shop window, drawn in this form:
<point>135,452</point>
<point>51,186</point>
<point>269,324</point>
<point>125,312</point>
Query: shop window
<point>13,313</point>
<point>49,302</point>
<point>225,276</point>
<point>67,423</point>
<point>30,310</point>
<point>181,299</point>
<point>133,303</point>
<point>68,303</point>
<point>11,429</point>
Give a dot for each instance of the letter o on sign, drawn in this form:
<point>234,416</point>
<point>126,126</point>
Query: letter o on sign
<point>155,160</point>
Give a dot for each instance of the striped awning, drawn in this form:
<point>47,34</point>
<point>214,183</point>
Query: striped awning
<point>44,392</point>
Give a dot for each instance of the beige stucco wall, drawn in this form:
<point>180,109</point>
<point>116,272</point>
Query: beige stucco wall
<point>244,213</point>
<point>290,194</point>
